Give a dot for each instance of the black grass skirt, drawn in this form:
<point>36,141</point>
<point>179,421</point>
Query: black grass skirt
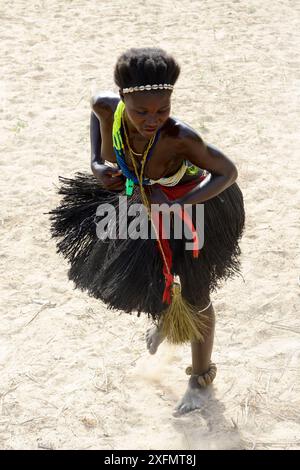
<point>127,274</point>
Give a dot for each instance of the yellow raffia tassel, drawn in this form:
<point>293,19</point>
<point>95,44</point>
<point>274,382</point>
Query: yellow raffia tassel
<point>181,322</point>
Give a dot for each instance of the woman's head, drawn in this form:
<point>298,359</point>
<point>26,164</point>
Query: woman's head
<point>140,67</point>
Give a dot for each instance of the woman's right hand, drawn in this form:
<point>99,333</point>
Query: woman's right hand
<point>111,178</point>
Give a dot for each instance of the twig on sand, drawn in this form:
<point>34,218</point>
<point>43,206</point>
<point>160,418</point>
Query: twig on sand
<point>246,410</point>
<point>269,301</point>
<point>268,385</point>
<point>133,363</point>
<point>3,395</point>
<point>294,329</point>
<point>45,446</point>
<point>253,445</point>
<point>43,307</point>
<point>34,317</point>
<point>234,424</point>
<point>104,386</point>
<point>37,418</point>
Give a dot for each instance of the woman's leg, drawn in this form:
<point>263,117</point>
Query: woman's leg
<point>194,396</point>
<point>201,352</point>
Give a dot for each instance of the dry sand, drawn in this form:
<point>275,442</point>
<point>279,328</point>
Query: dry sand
<point>74,375</point>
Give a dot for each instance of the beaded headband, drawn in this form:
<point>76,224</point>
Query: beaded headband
<point>164,86</point>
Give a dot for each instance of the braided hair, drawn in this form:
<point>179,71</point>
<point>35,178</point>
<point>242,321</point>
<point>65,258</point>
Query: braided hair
<point>149,65</point>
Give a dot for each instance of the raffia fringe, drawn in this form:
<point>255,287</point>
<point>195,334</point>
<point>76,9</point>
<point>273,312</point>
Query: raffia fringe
<point>182,322</point>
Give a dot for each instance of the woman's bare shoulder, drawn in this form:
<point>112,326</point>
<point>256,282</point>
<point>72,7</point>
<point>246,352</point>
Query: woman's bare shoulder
<point>104,104</point>
<point>179,130</point>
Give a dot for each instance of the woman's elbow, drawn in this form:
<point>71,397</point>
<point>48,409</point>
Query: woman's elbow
<point>233,174</point>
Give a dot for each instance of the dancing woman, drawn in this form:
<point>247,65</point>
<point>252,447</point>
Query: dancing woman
<point>142,154</point>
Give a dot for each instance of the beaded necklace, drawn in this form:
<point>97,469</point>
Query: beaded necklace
<point>140,175</point>
<point>118,134</point>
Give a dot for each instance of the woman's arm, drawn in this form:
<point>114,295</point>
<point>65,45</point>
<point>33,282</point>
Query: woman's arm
<point>95,138</point>
<point>223,171</point>
<point>109,177</point>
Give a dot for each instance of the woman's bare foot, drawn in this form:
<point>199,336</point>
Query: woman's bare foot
<point>153,339</point>
<point>194,398</point>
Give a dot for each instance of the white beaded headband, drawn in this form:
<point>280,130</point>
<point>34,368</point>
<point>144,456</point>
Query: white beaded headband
<point>164,86</point>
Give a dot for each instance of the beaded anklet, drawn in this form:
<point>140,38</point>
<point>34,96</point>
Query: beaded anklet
<point>204,379</point>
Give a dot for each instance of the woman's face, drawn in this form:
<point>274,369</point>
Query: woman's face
<point>148,111</point>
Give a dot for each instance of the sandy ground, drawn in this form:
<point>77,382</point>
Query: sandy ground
<point>74,375</point>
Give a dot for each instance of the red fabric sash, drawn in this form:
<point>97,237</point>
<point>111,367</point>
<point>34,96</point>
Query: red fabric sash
<point>173,193</point>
